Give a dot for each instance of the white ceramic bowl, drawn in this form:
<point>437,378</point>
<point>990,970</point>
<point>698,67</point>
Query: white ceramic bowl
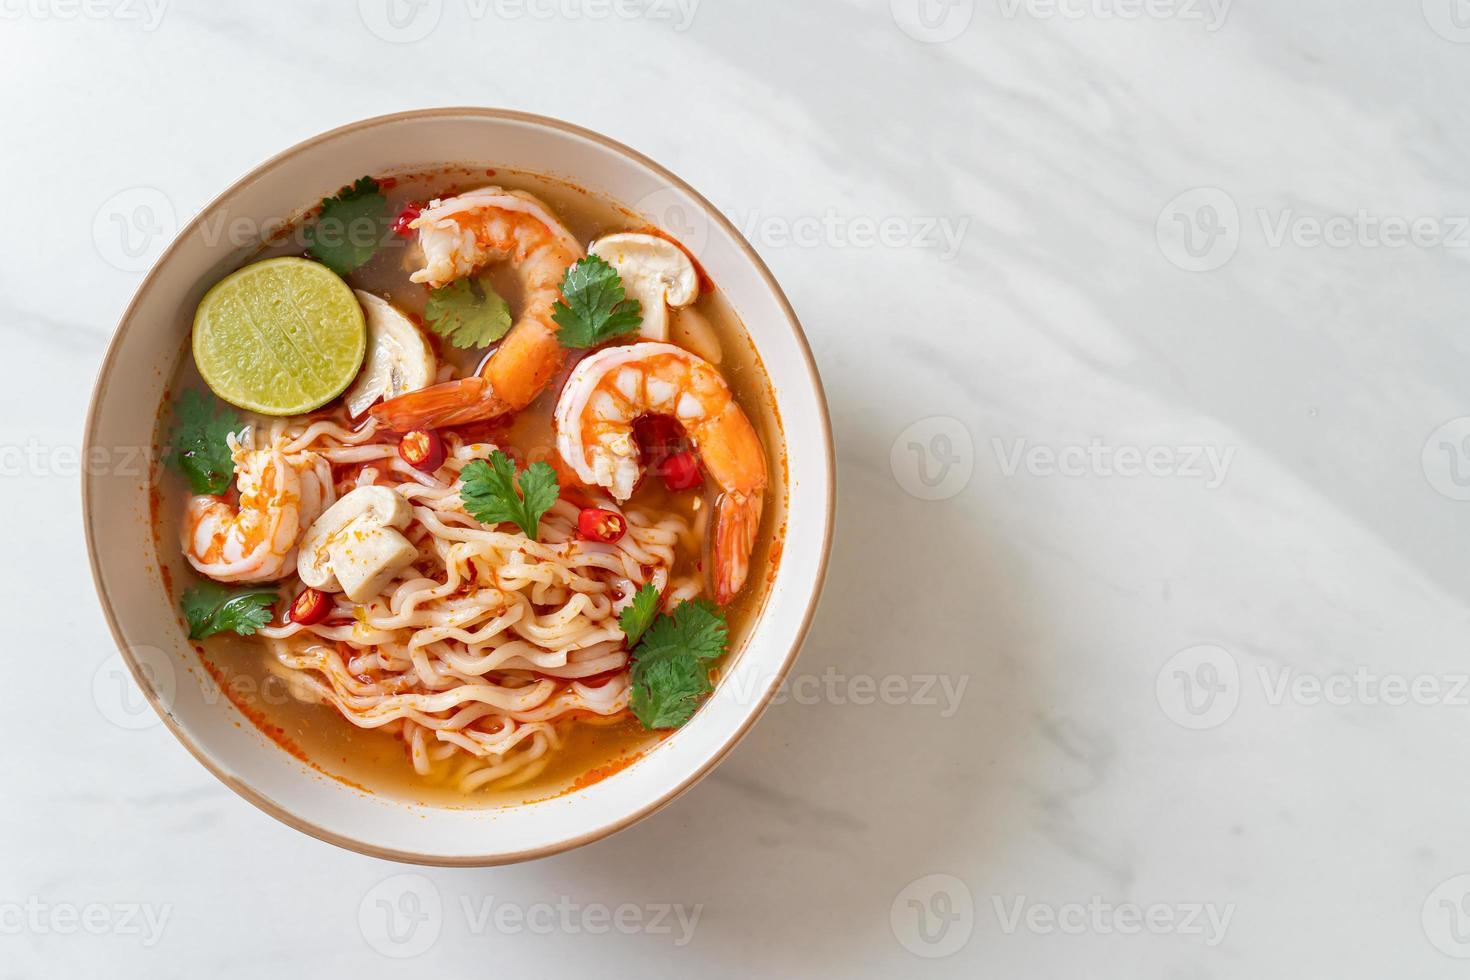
<point>125,404</point>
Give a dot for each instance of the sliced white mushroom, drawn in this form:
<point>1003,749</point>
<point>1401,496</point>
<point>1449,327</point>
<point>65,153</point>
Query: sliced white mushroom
<point>356,546</point>
<point>655,271</point>
<point>399,358</point>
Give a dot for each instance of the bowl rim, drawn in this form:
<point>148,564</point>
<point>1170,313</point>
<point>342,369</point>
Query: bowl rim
<point>281,812</point>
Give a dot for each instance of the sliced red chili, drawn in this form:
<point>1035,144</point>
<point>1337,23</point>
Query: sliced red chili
<point>681,471</point>
<point>658,437</point>
<point>310,607</point>
<point>597,524</point>
<point>422,449</point>
<point>405,218</point>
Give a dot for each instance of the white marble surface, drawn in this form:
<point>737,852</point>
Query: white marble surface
<point>1319,536</point>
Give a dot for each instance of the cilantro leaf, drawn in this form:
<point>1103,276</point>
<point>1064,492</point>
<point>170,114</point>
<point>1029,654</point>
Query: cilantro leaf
<point>197,446</point>
<point>593,308</point>
<point>671,663</point>
<point>467,313</point>
<point>211,608</point>
<point>695,628</point>
<point>489,492</point>
<point>639,615</point>
<point>350,227</point>
<point>667,689</point>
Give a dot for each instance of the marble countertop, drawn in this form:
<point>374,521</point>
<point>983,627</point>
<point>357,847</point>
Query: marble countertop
<point>1144,650</point>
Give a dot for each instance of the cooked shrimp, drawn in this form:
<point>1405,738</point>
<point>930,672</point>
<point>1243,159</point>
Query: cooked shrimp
<point>609,390</point>
<point>255,541</point>
<point>459,236</point>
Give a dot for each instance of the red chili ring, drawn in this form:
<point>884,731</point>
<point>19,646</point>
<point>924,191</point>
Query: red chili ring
<point>681,471</point>
<point>310,608</point>
<point>405,218</point>
<point>422,449</point>
<point>597,524</point>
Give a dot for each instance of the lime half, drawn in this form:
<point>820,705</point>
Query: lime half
<point>279,337</point>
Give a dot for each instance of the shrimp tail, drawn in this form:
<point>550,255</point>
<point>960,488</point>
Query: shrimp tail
<point>449,403</point>
<point>737,516</point>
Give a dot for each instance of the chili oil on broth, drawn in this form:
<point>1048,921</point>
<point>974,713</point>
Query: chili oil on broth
<point>378,761</point>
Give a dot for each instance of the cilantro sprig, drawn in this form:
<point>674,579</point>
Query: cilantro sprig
<point>593,307</point>
<point>350,227</point>
<point>667,690</point>
<point>671,660</point>
<point>639,615</point>
<point>488,490</point>
<point>197,446</point>
<point>467,313</point>
<point>211,608</point>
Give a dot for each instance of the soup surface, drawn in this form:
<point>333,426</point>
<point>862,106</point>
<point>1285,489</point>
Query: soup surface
<point>478,664</point>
